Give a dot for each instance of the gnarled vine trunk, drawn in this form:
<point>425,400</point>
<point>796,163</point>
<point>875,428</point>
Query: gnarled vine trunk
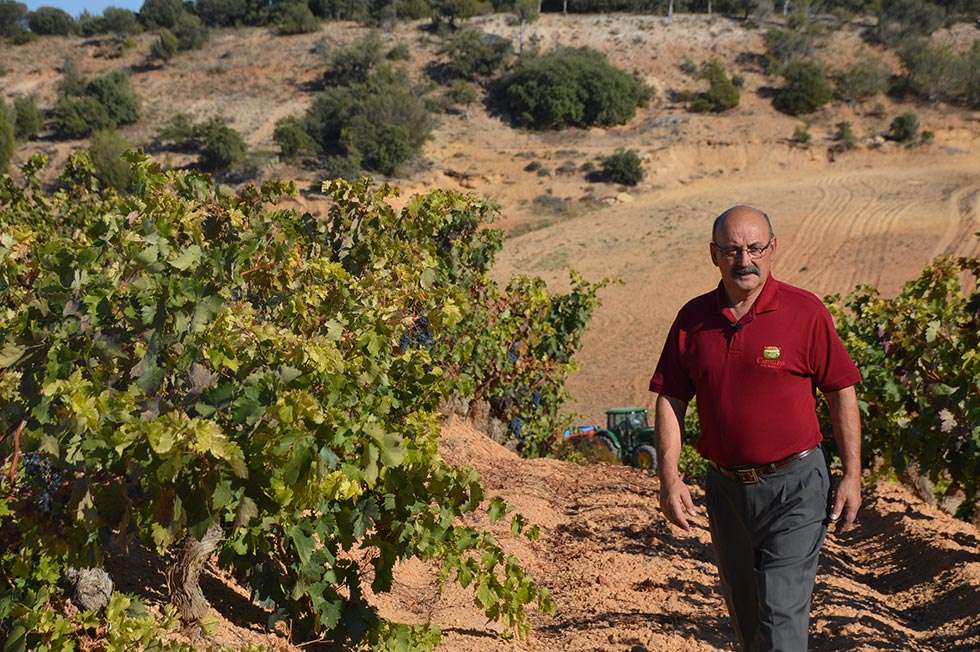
<point>91,588</point>
<point>183,574</point>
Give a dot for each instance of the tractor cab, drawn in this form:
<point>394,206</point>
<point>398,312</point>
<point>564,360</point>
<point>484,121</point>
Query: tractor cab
<point>627,437</point>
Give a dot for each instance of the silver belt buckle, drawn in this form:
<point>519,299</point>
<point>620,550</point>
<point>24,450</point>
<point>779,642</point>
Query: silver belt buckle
<point>747,476</point>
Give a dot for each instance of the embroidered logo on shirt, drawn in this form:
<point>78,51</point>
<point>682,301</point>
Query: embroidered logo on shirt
<point>770,358</point>
<point>771,353</point>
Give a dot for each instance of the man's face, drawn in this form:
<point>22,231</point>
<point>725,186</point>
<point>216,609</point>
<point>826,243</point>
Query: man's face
<point>743,252</point>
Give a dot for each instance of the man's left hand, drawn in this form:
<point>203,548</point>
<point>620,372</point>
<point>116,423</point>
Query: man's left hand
<point>846,503</point>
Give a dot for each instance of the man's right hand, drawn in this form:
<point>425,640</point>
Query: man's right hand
<point>676,503</point>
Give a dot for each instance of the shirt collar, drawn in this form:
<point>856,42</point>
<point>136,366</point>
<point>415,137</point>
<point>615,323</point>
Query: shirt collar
<point>767,301</point>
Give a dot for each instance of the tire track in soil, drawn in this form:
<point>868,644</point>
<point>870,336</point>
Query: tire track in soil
<point>963,203</point>
<point>827,218</point>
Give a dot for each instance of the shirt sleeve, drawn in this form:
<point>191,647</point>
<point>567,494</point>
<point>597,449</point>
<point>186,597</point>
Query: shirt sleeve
<point>831,365</point>
<point>670,377</point>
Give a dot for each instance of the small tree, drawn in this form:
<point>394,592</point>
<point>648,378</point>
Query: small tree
<point>722,94</point>
<point>473,54</point>
<point>121,22</point>
<point>165,47</point>
<point>527,11</point>
<point>296,18</point>
<point>801,136</point>
<point>292,138</point>
<point>805,90</point>
<point>161,13</point>
<point>623,167</point>
<point>353,63</point>
<point>903,128</point>
<point>115,94</point>
<point>12,16</point>
<point>844,136</point>
<point>453,11</point>
<point>221,146</point>
<point>901,20</point>
<point>51,21</point>
<point>862,80</point>
<point>190,32</point>
<point>27,117</point>
<point>77,117</point>
<point>106,149</point>
<point>7,136</point>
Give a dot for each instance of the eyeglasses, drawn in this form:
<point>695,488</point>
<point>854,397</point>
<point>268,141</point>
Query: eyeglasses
<point>755,251</point>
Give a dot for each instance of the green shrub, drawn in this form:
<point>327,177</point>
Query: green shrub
<point>398,52</point>
<point>106,149</point>
<point>50,21</point>
<point>358,10</point>
<point>623,167</point>
<point>23,37</point>
<point>901,20</point>
<point>569,87</point>
<point>161,13</point>
<point>221,147</point>
<point>296,18</point>
<point>119,21</point>
<point>462,93</point>
<point>226,13</point>
<point>179,133</point>
<point>72,82</point>
<point>116,96</point>
<point>721,95</point>
<point>12,14</point>
<point>452,11</point>
<point>927,137</point>
<point>473,54</point>
<point>801,136</point>
<point>27,117</point>
<point>341,167</point>
<point>353,63</point>
<point>165,47</point>
<point>190,32</point>
<point>903,128</point>
<point>862,80</point>
<point>78,116</point>
<point>90,25</point>
<point>941,73</point>
<point>290,134</point>
<point>844,136</point>
<point>784,46</point>
<point>8,138</point>
<point>806,89</point>
<point>381,123</point>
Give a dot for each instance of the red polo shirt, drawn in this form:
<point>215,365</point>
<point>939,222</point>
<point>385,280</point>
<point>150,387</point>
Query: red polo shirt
<point>755,378</point>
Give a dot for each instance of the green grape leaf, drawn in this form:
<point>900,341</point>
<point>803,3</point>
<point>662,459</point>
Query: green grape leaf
<point>188,258</point>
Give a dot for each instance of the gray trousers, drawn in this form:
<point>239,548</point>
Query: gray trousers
<point>767,537</point>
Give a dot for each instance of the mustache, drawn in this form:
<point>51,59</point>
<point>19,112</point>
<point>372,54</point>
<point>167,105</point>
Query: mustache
<point>746,269</point>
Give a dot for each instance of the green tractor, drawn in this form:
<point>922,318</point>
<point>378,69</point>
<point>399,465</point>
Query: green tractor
<point>627,438</point>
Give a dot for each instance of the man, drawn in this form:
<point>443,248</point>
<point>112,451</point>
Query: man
<point>753,352</point>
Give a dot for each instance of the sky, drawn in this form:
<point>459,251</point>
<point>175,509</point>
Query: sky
<point>75,7</point>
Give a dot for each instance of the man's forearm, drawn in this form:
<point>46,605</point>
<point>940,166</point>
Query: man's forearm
<point>845,417</point>
<point>670,425</point>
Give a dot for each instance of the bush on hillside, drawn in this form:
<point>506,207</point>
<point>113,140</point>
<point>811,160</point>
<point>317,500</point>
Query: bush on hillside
<point>106,149</point>
<point>398,52</point>
<point>623,167</point>
<point>116,96</point>
<point>569,87</point>
<point>27,117</point>
<point>8,138</point>
<point>722,94</point>
<point>116,20</point>
<point>901,20</point>
<point>72,82</point>
<point>844,138</point>
<point>221,146</point>
<point>801,136</point>
<point>784,46</point>
<point>228,13</point>
<point>190,32</point>
<point>352,63</point>
<point>450,12</point>
<point>903,128</point>
<point>50,21</point>
<point>293,140</point>
<point>862,80</point>
<point>165,47</point>
<point>939,72</point>
<point>161,13</point>
<point>78,116</point>
<point>356,10</point>
<point>381,123</point>
<point>296,18</point>
<point>473,54</point>
<point>805,89</point>
<point>12,14</point>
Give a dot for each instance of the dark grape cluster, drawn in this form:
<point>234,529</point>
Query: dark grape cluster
<point>514,352</point>
<point>516,426</point>
<point>417,335</point>
<point>536,398</point>
<point>43,478</point>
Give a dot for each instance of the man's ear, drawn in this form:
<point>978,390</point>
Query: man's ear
<point>714,255</point>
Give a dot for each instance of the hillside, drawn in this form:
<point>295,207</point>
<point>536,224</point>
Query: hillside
<point>907,578</point>
<point>873,215</point>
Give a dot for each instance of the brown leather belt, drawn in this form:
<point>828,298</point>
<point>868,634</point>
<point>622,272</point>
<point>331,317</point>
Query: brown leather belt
<point>752,474</point>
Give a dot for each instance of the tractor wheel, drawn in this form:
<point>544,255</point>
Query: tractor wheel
<point>604,450</point>
<point>645,457</point>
